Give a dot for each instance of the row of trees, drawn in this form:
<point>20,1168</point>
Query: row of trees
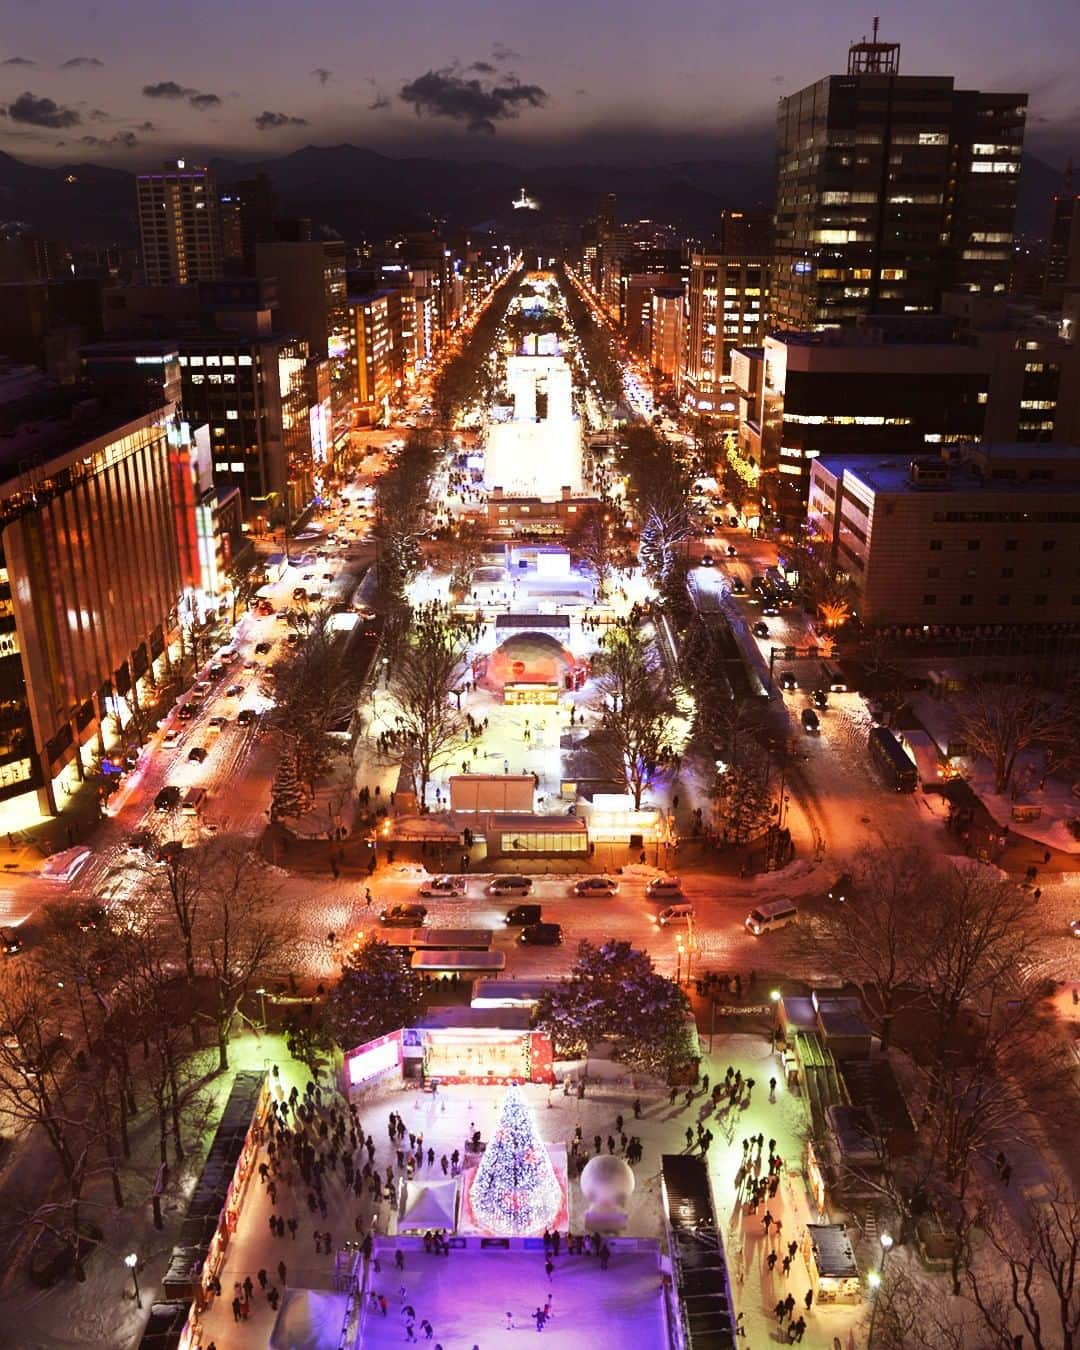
<point>598,355</point>
<point>937,953</point>
<point>101,1024</point>
<point>468,375</point>
<point>315,691</point>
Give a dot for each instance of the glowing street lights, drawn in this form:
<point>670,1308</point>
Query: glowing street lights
<point>679,949</point>
<point>874,1280</point>
<point>132,1263</point>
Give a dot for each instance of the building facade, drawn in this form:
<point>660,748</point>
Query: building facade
<point>727,305</point>
<point>982,535</point>
<point>666,334</point>
<point>179,224</point>
<point>90,582</point>
<point>891,189</point>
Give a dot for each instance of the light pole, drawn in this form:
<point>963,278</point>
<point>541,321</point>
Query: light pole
<point>261,991</point>
<point>132,1263</point>
<point>874,1280</point>
<point>678,958</point>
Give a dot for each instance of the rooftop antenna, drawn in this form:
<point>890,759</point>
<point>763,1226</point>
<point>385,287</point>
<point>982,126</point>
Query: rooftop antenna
<point>874,57</point>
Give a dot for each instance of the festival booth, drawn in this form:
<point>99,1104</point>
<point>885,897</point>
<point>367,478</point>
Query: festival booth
<point>830,1260</point>
<point>309,1319</point>
<point>429,1206</point>
<point>477,1045</point>
<point>372,1061</point>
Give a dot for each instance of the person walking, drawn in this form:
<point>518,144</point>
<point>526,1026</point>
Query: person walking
<point>771,1262</point>
<point>236,1309</point>
<point>281,1270</point>
<point>786,1265</point>
<point>766,1222</point>
<point>781,1311</point>
<point>262,1277</point>
<point>248,1287</point>
<point>549,1267</point>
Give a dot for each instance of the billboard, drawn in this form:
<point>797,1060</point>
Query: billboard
<point>373,1059</point>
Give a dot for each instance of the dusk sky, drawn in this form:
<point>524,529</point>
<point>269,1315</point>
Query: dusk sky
<point>131,83</point>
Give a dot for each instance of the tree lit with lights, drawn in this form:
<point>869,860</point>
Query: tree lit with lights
<point>515,1190</point>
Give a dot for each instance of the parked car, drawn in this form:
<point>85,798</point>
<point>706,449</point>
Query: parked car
<point>403,916</point>
<point>788,680</point>
<point>10,942</point>
<point>811,723</point>
<point>216,670</point>
<point>168,799</point>
<point>511,885</point>
<point>234,691</point>
<point>446,887</point>
<point>596,886</point>
<point>246,716</point>
<point>169,849</point>
<point>171,738</point>
<point>522,914</point>
<point>197,754</point>
<point>541,935</point>
<point>188,711</point>
<point>218,722</point>
<point>261,648</point>
<point>841,888</point>
<point>661,888</point>
<point>761,629</point>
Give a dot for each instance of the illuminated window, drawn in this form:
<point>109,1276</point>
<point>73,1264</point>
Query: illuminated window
<point>933,138</point>
<point>995,166</point>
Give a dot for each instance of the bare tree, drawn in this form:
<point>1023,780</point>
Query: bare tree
<point>247,933</point>
<point>905,1313</point>
<point>1031,1279</point>
<point>424,675</point>
<point>600,542</point>
<point>878,940</point>
<point>1000,722</point>
<point>636,710</point>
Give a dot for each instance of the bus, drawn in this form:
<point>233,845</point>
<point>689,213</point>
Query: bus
<point>894,764</point>
<point>832,678</point>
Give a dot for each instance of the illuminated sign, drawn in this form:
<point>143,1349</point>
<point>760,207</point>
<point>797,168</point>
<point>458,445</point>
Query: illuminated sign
<point>374,1058</point>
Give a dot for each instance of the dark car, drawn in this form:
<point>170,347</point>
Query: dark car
<point>708,560</point>
<point>168,799</point>
<point>761,629</point>
<point>739,586</point>
<point>523,915</point>
<point>821,699</point>
<point>169,849</point>
<point>261,648</point>
<point>197,754</point>
<point>840,890</point>
<point>246,716</point>
<point>788,680</point>
<point>732,552</point>
<point>294,638</point>
<point>234,691</point>
<point>403,916</point>
<point>541,935</point>
<point>188,711</point>
<point>811,724</point>
<point>89,917</point>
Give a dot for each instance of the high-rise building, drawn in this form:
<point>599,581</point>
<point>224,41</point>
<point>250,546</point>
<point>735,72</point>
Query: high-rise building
<point>666,334</point>
<point>311,303</point>
<point>248,209</point>
<point>373,341</point>
<point>179,224</point>
<point>891,189</point>
<point>1062,246</point>
<point>727,306</point>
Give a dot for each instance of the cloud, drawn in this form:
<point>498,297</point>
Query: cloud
<point>146,126</point>
<point>322,75</point>
<point>272,121</point>
<point>379,102</point>
<point>501,52</point>
<point>483,67</point>
<point>42,112</point>
<point>477,103</point>
<point>18,61</point>
<point>98,115</point>
<point>123,140</point>
<point>77,61</point>
<point>171,90</point>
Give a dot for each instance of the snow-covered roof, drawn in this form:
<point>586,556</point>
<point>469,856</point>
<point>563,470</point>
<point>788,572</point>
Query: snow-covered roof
<point>429,1205</point>
<point>309,1319</point>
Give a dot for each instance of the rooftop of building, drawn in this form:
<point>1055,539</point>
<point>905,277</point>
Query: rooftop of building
<point>1002,467</point>
<point>38,440</point>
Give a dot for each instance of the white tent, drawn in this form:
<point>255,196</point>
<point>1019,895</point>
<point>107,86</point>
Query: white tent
<point>429,1204</point>
<point>309,1319</point>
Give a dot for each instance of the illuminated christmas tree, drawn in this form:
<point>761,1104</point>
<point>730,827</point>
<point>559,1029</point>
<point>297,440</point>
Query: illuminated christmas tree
<point>515,1191</point>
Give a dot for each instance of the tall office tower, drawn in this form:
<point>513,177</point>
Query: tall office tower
<point>248,209</point>
<point>1063,243</point>
<point>890,190</point>
<point>727,306</point>
<point>180,225</point>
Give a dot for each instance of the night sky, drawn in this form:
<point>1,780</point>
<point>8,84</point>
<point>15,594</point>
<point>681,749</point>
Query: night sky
<point>130,83</point>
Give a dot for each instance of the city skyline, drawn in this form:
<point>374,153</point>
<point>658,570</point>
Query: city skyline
<point>107,85</point>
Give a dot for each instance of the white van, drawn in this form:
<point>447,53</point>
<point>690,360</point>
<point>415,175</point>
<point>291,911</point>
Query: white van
<point>194,801</point>
<point>683,913</point>
<point>772,914</point>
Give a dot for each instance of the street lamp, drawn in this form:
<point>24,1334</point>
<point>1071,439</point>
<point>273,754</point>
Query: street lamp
<point>874,1281</point>
<point>678,958</point>
<point>132,1263</point>
<point>261,991</point>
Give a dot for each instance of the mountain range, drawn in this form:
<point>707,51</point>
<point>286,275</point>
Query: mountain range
<point>357,192</point>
